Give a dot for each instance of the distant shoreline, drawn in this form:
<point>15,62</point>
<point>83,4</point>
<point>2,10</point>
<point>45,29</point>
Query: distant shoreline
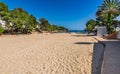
<point>78,31</point>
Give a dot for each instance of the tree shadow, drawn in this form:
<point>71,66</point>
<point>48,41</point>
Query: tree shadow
<point>83,43</point>
<point>79,35</point>
<point>83,35</point>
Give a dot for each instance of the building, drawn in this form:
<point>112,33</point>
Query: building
<point>101,31</point>
<point>118,30</point>
<point>2,23</point>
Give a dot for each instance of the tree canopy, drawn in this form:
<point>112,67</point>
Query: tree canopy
<point>106,13</point>
<point>20,21</point>
<point>90,25</point>
<point>46,26</point>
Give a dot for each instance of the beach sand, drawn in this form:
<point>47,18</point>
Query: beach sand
<point>60,53</point>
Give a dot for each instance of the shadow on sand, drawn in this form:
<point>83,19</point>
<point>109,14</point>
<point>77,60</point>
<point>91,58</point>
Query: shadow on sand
<point>82,35</point>
<point>79,35</point>
<point>83,43</point>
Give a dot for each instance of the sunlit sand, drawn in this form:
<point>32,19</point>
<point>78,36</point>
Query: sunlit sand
<point>46,54</point>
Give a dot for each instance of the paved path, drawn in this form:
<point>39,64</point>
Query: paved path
<point>111,61</point>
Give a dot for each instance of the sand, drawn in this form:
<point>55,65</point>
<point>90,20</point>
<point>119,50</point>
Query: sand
<point>46,54</point>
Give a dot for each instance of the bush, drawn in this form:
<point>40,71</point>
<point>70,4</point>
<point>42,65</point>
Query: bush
<point>1,30</point>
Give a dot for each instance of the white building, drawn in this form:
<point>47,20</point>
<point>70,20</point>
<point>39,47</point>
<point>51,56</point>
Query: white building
<point>118,35</point>
<point>2,23</point>
<point>101,31</point>
<point>118,28</point>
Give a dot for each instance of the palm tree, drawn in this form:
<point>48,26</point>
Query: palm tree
<point>111,8</point>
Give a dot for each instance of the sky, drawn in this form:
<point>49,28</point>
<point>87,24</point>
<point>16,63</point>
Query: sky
<point>72,14</point>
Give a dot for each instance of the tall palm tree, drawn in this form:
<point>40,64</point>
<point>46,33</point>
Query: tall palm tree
<point>111,8</point>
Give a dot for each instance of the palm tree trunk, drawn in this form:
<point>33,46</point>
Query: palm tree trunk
<point>109,23</point>
<point>109,18</point>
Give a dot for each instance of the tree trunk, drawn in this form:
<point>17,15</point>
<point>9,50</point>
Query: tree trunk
<point>109,18</point>
<point>109,23</point>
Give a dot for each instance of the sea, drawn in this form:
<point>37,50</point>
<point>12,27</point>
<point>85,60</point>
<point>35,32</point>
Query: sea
<point>78,31</point>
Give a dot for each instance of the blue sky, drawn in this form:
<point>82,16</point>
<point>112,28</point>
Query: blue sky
<point>72,14</point>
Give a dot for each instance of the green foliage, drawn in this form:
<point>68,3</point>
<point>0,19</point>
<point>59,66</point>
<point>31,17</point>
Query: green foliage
<point>23,22</point>
<point>19,21</point>
<point>19,18</point>
<point>109,10</point>
<point>4,12</point>
<point>1,30</point>
<point>3,7</point>
<point>46,26</point>
<point>61,28</point>
<point>90,25</point>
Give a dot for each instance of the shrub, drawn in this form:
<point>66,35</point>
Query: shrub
<point>1,30</point>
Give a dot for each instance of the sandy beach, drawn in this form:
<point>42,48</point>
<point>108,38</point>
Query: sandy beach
<point>46,54</point>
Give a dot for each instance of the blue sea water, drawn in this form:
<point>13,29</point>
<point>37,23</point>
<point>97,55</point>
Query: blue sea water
<point>78,31</point>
